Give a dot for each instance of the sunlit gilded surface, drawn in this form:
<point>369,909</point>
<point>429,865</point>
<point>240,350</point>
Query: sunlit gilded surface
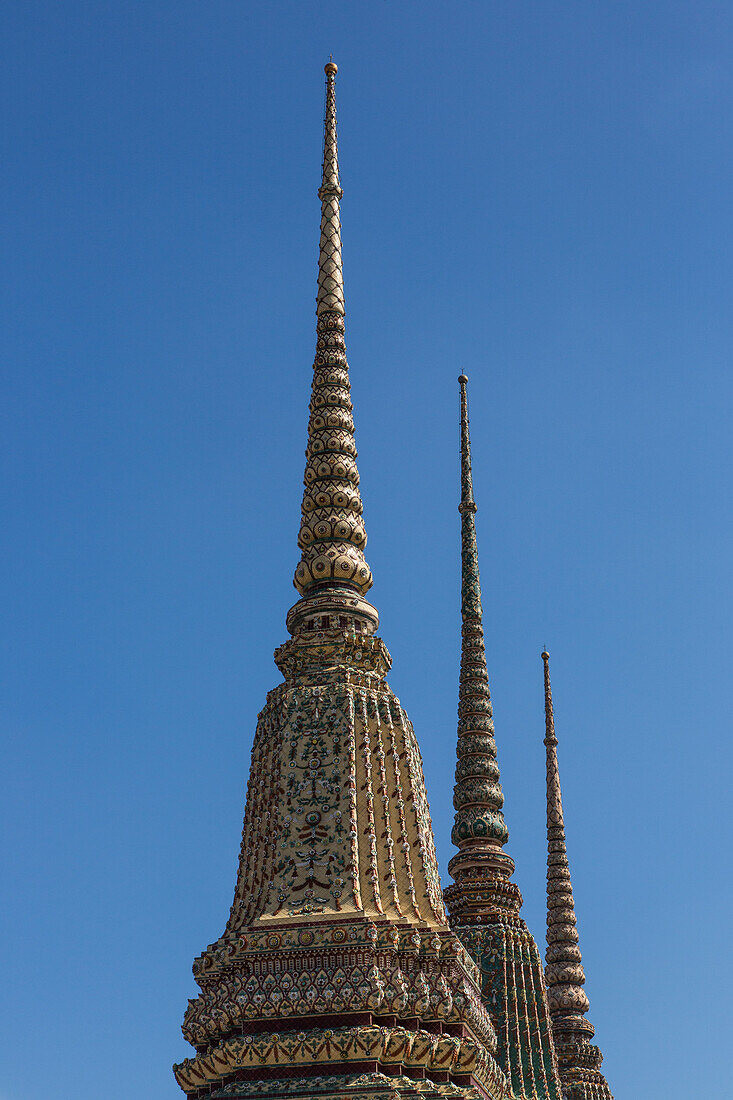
<point>337,976</point>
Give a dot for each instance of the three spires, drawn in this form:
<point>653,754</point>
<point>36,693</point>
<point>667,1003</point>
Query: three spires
<point>337,971</point>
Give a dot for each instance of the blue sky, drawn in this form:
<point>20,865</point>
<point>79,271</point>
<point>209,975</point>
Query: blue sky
<point>535,193</point>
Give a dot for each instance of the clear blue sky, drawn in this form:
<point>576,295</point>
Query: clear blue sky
<point>535,193</point>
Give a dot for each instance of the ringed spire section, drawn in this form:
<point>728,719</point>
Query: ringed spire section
<point>332,570</point>
<point>479,831</point>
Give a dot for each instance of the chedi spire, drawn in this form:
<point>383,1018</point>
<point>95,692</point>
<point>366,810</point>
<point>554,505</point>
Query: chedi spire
<point>579,1060</point>
<point>337,976</point>
<point>332,574</point>
<point>479,831</point>
<point>484,904</point>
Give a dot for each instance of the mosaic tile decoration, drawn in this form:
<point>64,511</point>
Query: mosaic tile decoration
<point>340,974</point>
<point>337,974</point>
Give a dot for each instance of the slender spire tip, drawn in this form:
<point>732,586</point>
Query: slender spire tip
<point>332,575</point>
<point>479,831</point>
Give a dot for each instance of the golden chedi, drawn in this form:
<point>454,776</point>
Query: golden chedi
<point>337,975</point>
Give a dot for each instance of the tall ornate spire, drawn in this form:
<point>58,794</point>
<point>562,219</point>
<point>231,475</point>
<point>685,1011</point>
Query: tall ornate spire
<point>479,831</point>
<point>337,974</point>
<point>484,904</point>
<point>579,1059</point>
<point>332,575</point>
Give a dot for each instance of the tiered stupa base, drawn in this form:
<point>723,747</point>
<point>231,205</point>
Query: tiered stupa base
<point>372,1085</point>
<point>306,1002</point>
<point>337,964</point>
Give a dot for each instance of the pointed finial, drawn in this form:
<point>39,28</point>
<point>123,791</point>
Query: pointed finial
<point>332,575</point>
<point>549,715</point>
<point>330,271</point>
<point>479,831</point>
<point>471,586</point>
<point>579,1059</point>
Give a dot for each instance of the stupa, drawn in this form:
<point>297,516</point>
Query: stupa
<point>337,975</point>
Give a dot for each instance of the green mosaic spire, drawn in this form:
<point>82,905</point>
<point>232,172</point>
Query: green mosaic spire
<point>479,829</point>
<point>483,903</point>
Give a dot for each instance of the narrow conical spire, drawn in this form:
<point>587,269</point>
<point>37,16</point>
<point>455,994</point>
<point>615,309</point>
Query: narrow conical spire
<point>479,828</point>
<point>332,575</point>
<point>579,1060</point>
<point>483,901</point>
<point>565,975</point>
